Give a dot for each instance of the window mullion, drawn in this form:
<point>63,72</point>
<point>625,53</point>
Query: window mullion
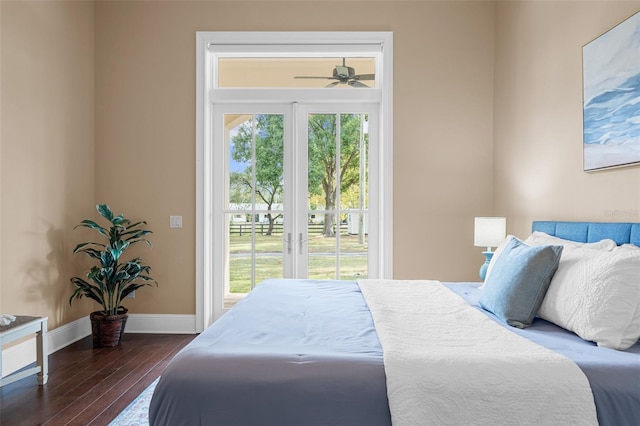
<point>253,200</point>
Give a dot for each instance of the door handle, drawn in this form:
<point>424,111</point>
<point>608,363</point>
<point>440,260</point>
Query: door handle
<point>301,241</point>
<point>289,243</point>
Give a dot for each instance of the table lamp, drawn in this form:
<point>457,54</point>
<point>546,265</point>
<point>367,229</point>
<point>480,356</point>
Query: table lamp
<point>488,232</point>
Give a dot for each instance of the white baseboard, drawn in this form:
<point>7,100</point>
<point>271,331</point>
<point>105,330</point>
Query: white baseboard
<point>161,324</point>
<point>69,333</point>
<point>24,353</point>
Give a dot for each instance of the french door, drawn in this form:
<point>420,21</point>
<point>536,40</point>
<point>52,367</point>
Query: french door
<point>296,194</point>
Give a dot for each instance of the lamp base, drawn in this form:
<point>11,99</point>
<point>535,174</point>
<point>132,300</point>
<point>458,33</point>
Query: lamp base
<point>483,269</point>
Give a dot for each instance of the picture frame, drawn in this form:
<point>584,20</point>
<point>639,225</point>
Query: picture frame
<point>611,97</point>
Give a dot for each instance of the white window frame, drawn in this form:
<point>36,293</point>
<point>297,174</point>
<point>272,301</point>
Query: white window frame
<point>296,44</point>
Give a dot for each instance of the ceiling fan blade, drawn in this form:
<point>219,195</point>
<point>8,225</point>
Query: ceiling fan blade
<point>334,84</point>
<point>313,77</point>
<point>365,77</point>
<point>356,83</point>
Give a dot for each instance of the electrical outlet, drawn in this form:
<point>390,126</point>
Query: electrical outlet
<point>132,295</point>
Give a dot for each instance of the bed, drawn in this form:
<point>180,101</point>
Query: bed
<point>308,352</point>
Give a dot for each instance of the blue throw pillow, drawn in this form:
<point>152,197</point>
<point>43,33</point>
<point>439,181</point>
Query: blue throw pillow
<point>519,281</point>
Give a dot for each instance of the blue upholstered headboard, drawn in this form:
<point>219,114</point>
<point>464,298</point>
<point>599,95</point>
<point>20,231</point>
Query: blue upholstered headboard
<point>591,232</point>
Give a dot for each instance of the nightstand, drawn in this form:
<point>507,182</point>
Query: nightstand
<point>24,326</point>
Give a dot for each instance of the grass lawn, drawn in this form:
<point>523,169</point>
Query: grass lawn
<point>270,266</point>
<point>275,244</point>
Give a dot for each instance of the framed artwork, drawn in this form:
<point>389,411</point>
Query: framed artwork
<point>611,97</point>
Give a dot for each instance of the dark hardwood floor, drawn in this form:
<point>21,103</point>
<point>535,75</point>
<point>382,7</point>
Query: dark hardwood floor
<point>89,386</point>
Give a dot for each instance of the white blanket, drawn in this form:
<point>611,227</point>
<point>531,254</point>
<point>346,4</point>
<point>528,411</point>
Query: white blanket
<point>449,364</point>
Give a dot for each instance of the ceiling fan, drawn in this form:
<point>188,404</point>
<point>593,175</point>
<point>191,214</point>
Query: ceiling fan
<point>344,75</point>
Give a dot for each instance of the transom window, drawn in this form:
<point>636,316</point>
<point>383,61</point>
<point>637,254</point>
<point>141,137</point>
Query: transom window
<point>338,73</point>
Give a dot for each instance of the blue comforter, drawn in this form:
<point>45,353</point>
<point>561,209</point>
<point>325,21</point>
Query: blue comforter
<point>304,352</point>
<point>291,353</point>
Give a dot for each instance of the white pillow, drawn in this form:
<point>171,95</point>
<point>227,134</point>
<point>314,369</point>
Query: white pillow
<point>634,329</point>
<point>538,238</point>
<point>596,294</point>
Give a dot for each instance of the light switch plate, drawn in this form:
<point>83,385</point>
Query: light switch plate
<point>175,221</point>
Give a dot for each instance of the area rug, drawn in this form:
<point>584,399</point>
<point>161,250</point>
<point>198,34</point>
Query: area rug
<point>136,413</point>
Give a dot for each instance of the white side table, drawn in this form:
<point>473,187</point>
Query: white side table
<point>24,326</point>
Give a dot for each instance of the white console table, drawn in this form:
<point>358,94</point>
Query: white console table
<point>24,326</point>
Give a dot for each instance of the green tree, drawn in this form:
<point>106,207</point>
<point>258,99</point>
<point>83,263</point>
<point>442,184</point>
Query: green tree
<point>323,170</point>
<point>269,156</point>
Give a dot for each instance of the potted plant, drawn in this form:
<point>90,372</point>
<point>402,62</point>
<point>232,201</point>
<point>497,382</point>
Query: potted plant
<point>113,278</point>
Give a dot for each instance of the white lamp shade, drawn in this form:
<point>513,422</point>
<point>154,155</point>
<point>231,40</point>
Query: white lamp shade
<point>489,231</point>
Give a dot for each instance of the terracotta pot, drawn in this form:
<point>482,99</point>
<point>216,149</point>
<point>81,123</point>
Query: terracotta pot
<point>107,330</point>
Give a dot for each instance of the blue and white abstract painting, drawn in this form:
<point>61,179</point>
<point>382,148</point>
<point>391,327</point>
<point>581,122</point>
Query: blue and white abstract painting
<point>611,76</point>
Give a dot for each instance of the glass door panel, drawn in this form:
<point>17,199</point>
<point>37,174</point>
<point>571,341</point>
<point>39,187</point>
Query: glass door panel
<point>310,223</point>
<point>322,248</point>
<point>337,195</point>
<point>239,257</point>
<point>354,247</point>
<point>269,248</point>
<point>255,195</point>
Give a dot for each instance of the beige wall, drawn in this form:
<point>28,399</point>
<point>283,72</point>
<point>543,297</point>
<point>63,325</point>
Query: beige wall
<point>46,153</point>
<point>443,76</point>
<point>538,117</point>
<point>487,120</point>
